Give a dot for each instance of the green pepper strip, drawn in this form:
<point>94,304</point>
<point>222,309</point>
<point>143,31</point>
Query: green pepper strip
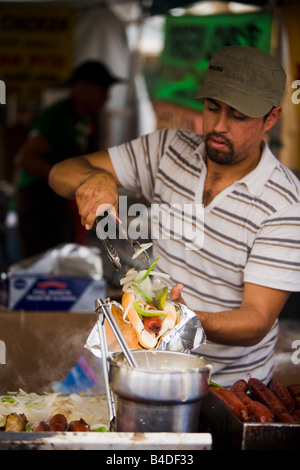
<point>100,429</point>
<point>213,384</point>
<point>143,294</point>
<point>7,399</point>
<point>148,271</point>
<point>148,313</point>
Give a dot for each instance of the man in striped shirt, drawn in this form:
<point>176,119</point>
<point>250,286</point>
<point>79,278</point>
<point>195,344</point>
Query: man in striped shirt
<point>238,258</point>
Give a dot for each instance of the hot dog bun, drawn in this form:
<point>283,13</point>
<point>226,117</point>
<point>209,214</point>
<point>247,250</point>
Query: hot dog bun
<point>146,339</point>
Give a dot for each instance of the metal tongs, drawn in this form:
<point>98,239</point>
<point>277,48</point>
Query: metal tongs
<point>103,309</point>
<point>106,218</point>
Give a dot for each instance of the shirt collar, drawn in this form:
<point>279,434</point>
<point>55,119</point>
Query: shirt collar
<point>256,179</point>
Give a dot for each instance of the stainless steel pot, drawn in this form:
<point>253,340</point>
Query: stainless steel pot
<point>162,394</point>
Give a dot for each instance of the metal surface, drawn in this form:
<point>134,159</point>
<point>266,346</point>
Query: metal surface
<point>230,433</point>
<point>105,441</point>
<point>104,349</point>
<point>162,395</point>
<point>103,310</point>
<point>110,251</point>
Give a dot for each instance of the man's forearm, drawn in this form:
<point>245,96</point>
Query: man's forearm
<point>91,180</point>
<point>241,327</point>
<point>66,176</point>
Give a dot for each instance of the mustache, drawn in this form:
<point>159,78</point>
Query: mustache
<point>219,137</point>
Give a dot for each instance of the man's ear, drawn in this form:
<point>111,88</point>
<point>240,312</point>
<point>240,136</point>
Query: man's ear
<point>273,118</point>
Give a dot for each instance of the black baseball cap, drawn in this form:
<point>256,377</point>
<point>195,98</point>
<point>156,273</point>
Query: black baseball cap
<point>95,72</point>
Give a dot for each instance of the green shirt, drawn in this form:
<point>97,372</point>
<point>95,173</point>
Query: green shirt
<point>68,134</point>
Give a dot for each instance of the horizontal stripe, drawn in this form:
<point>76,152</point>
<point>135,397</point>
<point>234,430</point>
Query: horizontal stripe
<point>251,229</point>
<point>251,199</point>
<point>283,190</point>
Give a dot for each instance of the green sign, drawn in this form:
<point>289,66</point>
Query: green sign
<point>190,41</point>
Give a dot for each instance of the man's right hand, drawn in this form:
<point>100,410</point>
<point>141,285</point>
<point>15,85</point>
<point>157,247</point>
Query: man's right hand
<point>94,195</point>
<point>91,180</point>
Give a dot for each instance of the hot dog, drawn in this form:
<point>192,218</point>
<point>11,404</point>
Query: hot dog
<point>146,306</point>
<point>149,329</point>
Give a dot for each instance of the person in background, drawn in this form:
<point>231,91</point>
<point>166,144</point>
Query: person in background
<point>64,129</point>
<point>238,274</point>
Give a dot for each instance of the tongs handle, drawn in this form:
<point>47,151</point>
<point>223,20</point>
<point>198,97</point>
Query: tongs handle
<point>111,252</point>
<point>104,350</point>
<point>115,223</point>
<point>104,305</point>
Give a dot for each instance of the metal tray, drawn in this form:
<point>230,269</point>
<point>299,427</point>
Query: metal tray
<point>230,433</point>
<point>104,441</point>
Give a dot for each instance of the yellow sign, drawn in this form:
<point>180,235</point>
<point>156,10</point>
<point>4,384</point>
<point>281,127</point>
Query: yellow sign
<point>36,48</point>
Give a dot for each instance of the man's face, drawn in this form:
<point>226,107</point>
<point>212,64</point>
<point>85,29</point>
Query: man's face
<point>230,136</point>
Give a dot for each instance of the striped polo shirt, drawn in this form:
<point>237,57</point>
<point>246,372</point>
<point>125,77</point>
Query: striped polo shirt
<point>250,232</point>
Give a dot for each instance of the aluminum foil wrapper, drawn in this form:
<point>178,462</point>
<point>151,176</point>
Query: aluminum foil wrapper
<point>69,260</point>
<point>186,336</point>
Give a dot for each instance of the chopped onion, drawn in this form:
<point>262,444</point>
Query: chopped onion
<point>126,312</point>
<point>37,408</point>
<point>163,275</point>
<point>144,247</point>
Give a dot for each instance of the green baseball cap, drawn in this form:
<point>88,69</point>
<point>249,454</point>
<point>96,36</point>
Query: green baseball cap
<point>247,79</point>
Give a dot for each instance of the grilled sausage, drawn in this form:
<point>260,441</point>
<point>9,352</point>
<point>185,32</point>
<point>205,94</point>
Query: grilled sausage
<point>153,324</point>
<point>256,410</point>
<point>79,426</point>
<point>296,415</point>
<point>240,386</point>
<point>267,397</point>
<point>294,390</point>
<point>42,427</point>
<point>282,392</point>
<point>232,402</point>
<point>58,422</point>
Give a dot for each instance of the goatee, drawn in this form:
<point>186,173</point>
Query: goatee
<point>219,156</point>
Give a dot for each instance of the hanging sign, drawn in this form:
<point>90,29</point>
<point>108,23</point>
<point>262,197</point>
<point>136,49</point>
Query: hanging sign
<point>190,41</point>
<point>36,48</point>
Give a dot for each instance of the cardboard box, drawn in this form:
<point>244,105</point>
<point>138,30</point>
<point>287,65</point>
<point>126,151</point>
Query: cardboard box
<point>47,293</point>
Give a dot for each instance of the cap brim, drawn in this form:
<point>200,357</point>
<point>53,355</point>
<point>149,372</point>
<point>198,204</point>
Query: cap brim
<point>242,102</point>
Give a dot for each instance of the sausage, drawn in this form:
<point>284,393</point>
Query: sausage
<point>15,422</point>
<point>260,412</point>
<point>296,415</point>
<point>268,398</point>
<point>153,324</point>
<point>256,410</point>
<point>232,402</point>
<point>240,386</point>
<point>42,427</point>
<point>282,392</point>
<point>147,339</point>
<point>79,426</point>
<point>58,422</point>
<point>294,390</point>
